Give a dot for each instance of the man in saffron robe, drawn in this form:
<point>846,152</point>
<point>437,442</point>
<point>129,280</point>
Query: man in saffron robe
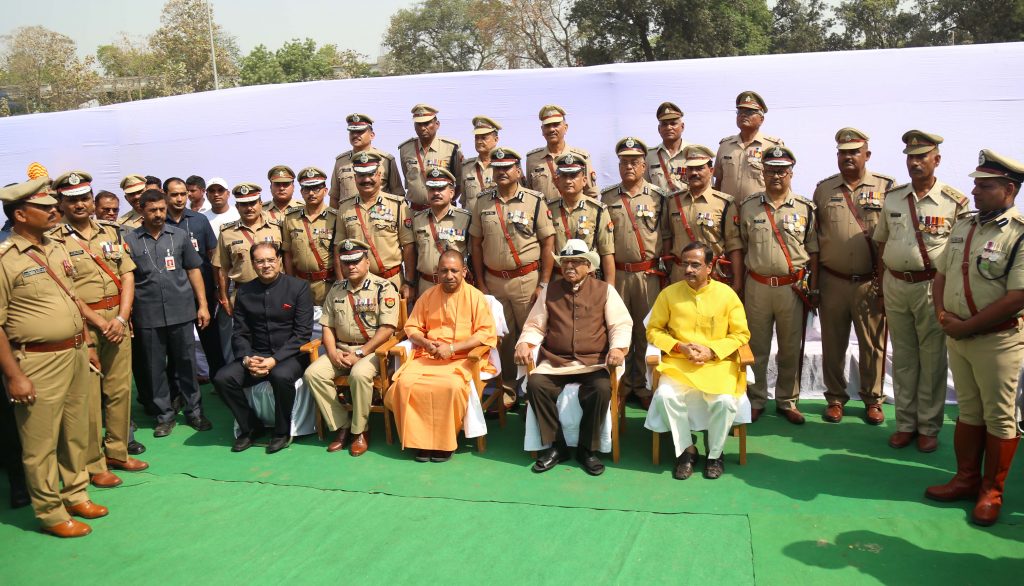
<point>431,391</point>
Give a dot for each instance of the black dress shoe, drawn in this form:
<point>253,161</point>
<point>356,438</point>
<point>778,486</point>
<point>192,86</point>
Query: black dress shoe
<point>242,443</point>
<point>163,429</point>
<point>590,462</point>
<point>713,468</point>
<point>549,458</point>
<point>19,493</point>
<point>199,422</point>
<point>440,456</point>
<point>684,465</point>
<point>278,443</point>
<point>135,448</point>
<point>422,455</point>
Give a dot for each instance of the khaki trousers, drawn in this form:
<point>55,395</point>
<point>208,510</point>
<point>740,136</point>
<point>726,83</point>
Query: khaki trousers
<point>54,431</point>
<point>669,398</point>
<point>843,302</point>
<point>110,399</point>
<point>638,292</point>
<point>514,296</point>
<point>985,373</point>
<point>919,362</point>
<point>781,308</point>
<point>319,379</point>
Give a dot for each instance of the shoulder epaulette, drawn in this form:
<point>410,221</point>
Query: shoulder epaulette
<point>346,153</point>
<point>392,197</point>
<point>295,210</point>
<point>346,200</point>
<point>753,196</point>
<point>407,142</point>
<point>535,151</point>
<point>772,139</point>
<point>273,221</point>
<point>532,192</point>
<point>461,211</point>
<point>730,137</point>
<point>1019,219</point>
<point>553,200</point>
<point>954,194</point>
<point>611,188</point>
<point>889,180</point>
<point>386,155</point>
<point>108,223</point>
<point>656,189</point>
<point>420,213</point>
<point>598,204</point>
<point>579,151</point>
<point>898,187</point>
<point>5,246</point>
<point>266,203</point>
<point>488,192</point>
<point>810,204</point>
<point>829,178</point>
<point>450,141</point>
<point>330,211</point>
<point>56,230</point>
<point>227,225</point>
<point>469,161</point>
<point>721,195</point>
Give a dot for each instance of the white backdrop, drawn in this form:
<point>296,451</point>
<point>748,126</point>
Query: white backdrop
<point>961,93</point>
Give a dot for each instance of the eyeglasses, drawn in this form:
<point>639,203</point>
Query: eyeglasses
<point>780,172</point>
<point>631,164</point>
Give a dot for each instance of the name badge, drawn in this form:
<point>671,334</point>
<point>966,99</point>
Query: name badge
<point>195,243</point>
<point>169,263</point>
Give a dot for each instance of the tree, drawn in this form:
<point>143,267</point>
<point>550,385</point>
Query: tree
<point>444,35</point>
<point>975,21</point>
<point>260,66</point>
<point>131,70</point>
<point>300,61</point>
<point>43,69</point>
<point>539,33</point>
<point>346,64</point>
<point>801,26</point>
<point>880,24</point>
<point>616,30</point>
<point>182,48</point>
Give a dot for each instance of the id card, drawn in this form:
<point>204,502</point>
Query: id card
<point>195,243</point>
<point>169,263</point>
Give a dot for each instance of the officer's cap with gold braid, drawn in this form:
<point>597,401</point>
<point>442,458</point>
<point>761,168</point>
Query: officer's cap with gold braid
<point>439,178</point>
<point>504,157</point>
<point>992,164</point>
<point>365,163</point>
<point>484,125</point>
<point>358,122</point>
<point>569,164</point>
<point>246,192</point>
<point>779,156</point>
<point>630,146</point>
<point>312,177</point>
<point>73,184</point>
<point>352,250</point>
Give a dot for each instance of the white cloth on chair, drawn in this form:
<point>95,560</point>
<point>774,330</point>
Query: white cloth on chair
<point>698,411</point>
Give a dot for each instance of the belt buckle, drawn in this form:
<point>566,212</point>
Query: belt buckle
<point>773,281</point>
<point>79,340</point>
<point>908,276</point>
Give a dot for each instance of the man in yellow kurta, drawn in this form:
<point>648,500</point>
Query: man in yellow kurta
<point>698,324</point>
<point>431,391</point>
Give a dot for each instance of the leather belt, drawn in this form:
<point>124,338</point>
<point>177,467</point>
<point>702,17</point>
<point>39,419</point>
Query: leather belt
<point>844,276</point>
<point>777,281</point>
<point>636,267</point>
<point>107,302</point>
<point>914,276</point>
<point>388,273</point>
<point>429,277</point>
<point>526,269</point>
<point>1010,324</point>
<point>75,341</point>
<point>324,275</point>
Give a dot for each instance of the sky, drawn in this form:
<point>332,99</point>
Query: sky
<point>252,22</point>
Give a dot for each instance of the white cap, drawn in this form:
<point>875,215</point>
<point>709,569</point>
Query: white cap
<point>218,181</point>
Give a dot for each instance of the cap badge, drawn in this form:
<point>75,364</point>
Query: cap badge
<point>363,158</point>
<point>569,160</point>
<point>981,158</point>
<point>630,143</point>
<point>435,173</point>
<point>74,179</point>
<point>499,154</point>
<point>347,245</point>
<point>777,152</point>
<point>355,118</point>
<point>310,173</point>
<point>243,190</point>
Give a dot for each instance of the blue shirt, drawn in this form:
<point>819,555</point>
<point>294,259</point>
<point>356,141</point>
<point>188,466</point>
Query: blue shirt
<point>163,296</point>
<point>204,240</point>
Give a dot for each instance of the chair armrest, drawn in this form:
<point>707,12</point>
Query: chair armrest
<point>383,349</point>
<point>479,353</point>
<point>530,366</point>
<point>312,348</point>
<point>745,355</point>
<point>653,360</point>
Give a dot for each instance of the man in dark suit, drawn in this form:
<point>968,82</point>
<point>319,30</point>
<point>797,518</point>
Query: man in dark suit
<point>273,318</point>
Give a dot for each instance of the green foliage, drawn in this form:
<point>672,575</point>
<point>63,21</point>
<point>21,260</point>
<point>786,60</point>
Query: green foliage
<point>444,35</point>
<point>260,66</point>
<point>182,49</point>
<point>41,69</point>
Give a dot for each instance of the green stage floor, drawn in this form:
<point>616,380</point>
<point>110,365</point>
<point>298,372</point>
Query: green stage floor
<point>816,504</point>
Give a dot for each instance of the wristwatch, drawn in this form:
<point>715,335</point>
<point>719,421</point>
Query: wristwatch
<point>359,352</point>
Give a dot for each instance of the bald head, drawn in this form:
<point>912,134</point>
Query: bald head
<point>451,270</point>
<point>453,255</point>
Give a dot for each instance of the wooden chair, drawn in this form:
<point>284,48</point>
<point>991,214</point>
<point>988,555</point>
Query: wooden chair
<point>739,430</point>
<point>381,382</point>
<point>613,406</point>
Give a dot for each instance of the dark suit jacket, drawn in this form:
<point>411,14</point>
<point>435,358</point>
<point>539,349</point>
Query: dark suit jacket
<point>272,320</point>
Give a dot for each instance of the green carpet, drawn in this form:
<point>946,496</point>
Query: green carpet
<point>815,503</point>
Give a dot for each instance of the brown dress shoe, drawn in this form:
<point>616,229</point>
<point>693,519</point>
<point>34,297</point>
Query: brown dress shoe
<point>927,443</point>
<point>69,528</point>
<point>793,415</point>
<point>129,465</point>
<point>339,442</point>
<point>756,414</point>
<point>88,510</point>
<point>873,414</point>
<point>105,480</point>
<point>901,439</point>
<point>360,444</point>
<point>833,413</point>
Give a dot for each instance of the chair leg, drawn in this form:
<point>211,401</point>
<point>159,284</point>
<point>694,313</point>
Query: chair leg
<point>533,455</point>
<point>501,388</point>
<point>615,430</point>
<point>318,423</point>
<point>387,427</point>
<point>741,430</point>
<point>481,444</point>
<point>656,447</point>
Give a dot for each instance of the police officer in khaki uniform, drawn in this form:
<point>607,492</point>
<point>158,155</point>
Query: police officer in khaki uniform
<point>849,207</point>
<point>773,239</point>
<point>382,220</point>
<point>738,164</point>
<point>698,213</point>
<point>666,163</point>
<point>282,192</point>
<point>343,179</point>
<point>45,361</point>
<point>511,237</point>
<point>104,281</point>
<point>437,229</point>
<point>540,163</point>
<point>360,314</point>
<point>426,150</point>
<point>133,186</point>
<point>307,235</point>
<point>912,233</point>
<point>232,257</point>
<point>476,171</point>
<point>638,211</point>
<point>580,217</point>
<point>979,290</point>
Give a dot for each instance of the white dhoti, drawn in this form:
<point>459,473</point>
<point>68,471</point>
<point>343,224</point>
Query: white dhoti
<point>680,409</point>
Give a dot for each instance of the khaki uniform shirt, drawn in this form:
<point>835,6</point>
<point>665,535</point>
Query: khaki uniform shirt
<point>740,165</point>
<point>130,220</point>
<point>301,235</point>
<point>385,223</point>
<point>844,247</point>
<point>527,222</point>
<point>707,215</point>
<point>233,246</point>
<point>276,214</point>
<point>588,221</point>
<point>452,232</point>
<point>33,308</point>
<point>442,152</point>
<point>376,304</point>
<point>539,171</point>
<point>343,178</point>
<point>991,270</point>
<point>937,211</point>
<point>647,208</point>
<point>474,178</point>
<point>672,175</point>
<point>751,231</point>
<point>91,282</point>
